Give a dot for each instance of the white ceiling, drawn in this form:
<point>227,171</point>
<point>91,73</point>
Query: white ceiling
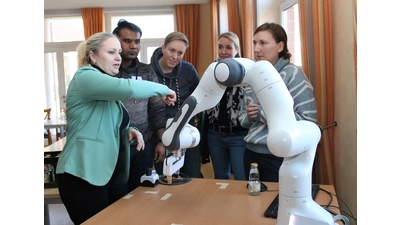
<point>77,4</point>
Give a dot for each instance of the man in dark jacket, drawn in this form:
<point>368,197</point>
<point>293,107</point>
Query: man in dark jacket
<point>148,115</point>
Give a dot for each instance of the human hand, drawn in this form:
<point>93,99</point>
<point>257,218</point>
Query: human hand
<point>252,110</point>
<point>135,134</point>
<point>170,98</point>
<point>159,154</point>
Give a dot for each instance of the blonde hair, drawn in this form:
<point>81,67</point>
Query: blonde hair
<point>93,43</point>
<point>233,37</point>
<point>176,36</point>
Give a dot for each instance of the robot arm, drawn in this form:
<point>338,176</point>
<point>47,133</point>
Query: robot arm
<point>205,96</point>
<point>294,140</point>
<point>180,135</point>
<point>270,89</point>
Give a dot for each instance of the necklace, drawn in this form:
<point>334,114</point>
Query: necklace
<point>178,97</point>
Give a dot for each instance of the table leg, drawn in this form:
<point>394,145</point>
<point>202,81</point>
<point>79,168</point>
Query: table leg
<point>61,131</point>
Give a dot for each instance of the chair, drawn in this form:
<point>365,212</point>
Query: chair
<point>47,132</point>
<point>58,134</point>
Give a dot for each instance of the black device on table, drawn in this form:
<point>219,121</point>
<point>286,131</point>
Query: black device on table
<point>272,210</point>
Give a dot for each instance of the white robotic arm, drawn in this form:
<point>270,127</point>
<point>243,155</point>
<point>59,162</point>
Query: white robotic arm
<point>296,141</point>
<point>180,135</point>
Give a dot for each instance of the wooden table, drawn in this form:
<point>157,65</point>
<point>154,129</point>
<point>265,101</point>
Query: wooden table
<point>200,201</point>
<point>56,146</point>
<point>56,123</point>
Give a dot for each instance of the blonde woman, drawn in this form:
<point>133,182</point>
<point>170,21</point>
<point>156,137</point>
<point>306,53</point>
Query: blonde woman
<point>93,166</point>
<point>225,134</point>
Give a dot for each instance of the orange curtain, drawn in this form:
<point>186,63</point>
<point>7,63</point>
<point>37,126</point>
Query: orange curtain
<point>234,19</point>
<point>93,21</point>
<point>214,27</point>
<point>188,22</point>
<point>247,22</point>
<point>241,17</point>
<point>317,53</point>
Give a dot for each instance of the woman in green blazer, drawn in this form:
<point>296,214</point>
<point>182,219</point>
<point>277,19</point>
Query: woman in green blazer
<point>93,165</point>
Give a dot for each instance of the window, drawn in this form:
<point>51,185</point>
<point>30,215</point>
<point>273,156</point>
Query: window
<point>290,21</point>
<point>63,33</point>
<point>155,27</point>
<point>152,26</point>
<point>61,37</point>
<point>63,29</point>
<point>60,65</point>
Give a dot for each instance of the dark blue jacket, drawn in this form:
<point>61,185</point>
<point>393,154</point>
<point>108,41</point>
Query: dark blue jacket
<point>184,75</point>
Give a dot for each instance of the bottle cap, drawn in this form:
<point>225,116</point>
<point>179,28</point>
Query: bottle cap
<point>254,164</point>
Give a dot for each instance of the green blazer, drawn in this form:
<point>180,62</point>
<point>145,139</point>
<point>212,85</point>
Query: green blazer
<point>94,113</point>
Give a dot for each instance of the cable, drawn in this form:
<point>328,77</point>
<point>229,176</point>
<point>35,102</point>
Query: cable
<point>344,212</point>
<point>326,207</point>
<point>351,214</point>
<point>329,193</point>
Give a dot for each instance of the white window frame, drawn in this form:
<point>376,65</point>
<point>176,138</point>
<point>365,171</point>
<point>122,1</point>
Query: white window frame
<point>109,13</point>
<point>287,4</point>
<point>284,5</point>
<point>60,93</point>
<point>148,43</point>
<point>122,12</point>
<point>144,42</point>
<point>60,47</point>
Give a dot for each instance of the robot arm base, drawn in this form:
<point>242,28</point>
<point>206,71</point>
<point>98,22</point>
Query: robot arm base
<point>171,167</point>
<point>302,211</point>
<point>298,219</point>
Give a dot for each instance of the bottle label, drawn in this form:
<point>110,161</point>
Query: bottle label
<point>254,187</point>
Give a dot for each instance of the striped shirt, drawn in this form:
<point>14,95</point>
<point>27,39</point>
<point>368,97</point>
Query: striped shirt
<point>304,105</point>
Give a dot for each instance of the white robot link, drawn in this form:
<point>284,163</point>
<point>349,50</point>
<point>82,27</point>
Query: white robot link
<point>296,141</point>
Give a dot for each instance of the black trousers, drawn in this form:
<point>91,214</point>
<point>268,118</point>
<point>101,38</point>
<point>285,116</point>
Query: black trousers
<point>83,200</point>
<point>268,165</point>
<point>139,162</point>
<point>191,166</point>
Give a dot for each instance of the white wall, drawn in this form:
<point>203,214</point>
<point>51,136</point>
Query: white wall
<point>268,11</point>
<point>345,95</point>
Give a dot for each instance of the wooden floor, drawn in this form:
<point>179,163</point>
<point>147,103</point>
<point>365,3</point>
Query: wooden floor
<point>59,216</point>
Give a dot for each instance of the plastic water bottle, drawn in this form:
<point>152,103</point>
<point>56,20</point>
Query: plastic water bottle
<point>62,115</point>
<point>254,180</point>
